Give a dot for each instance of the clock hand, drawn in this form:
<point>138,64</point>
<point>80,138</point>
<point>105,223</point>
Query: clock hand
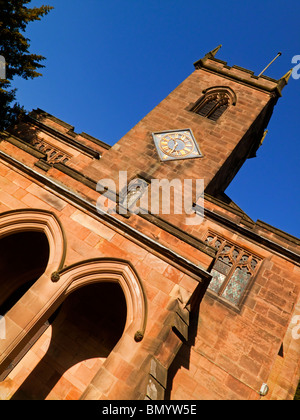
<point>176,144</point>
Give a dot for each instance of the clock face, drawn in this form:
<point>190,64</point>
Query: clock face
<point>178,144</point>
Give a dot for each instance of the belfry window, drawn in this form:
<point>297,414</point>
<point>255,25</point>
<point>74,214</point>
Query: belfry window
<point>214,103</point>
<point>233,270</point>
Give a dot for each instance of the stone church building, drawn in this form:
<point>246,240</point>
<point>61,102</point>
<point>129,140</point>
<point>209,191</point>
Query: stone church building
<point>100,302</point>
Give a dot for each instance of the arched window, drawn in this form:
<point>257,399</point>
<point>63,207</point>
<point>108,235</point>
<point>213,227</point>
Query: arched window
<point>214,102</point>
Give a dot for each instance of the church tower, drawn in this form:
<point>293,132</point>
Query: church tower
<point>205,129</point>
<point>218,116</point>
<point>115,291</point>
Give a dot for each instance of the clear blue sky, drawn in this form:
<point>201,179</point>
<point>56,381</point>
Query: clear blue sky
<point>110,62</point>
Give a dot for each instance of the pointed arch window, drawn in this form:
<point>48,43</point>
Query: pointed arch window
<point>214,103</point>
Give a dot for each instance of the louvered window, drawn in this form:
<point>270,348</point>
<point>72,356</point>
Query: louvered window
<point>207,107</point>
<point>212,105</point>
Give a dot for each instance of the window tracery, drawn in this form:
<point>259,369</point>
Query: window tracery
<point>214,103</point>
<point>233,270</point>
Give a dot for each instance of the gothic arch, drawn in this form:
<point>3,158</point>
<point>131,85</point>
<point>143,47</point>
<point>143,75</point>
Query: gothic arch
<point>214,102</point>
<point>76,276</point>
<point>222,89</point>
<point>21,319</point>
<point>111,270</point>
<point>25,220</point>
<point>132,318</point>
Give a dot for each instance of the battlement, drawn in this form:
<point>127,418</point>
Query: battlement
<point>243,75</point>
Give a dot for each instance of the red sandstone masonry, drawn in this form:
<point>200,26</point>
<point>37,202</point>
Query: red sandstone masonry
<point>233,351</point>
<point>265,307</point>
<point>82,243</point>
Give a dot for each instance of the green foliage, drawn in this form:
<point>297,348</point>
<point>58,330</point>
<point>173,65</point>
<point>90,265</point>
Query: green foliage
<point>14,47</point>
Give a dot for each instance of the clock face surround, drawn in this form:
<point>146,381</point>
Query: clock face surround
<point>176,144</point>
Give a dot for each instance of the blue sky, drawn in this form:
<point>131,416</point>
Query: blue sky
<point>110,62</point>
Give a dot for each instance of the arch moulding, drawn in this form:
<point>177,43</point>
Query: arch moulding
<point>25,220</point>
<point>111,270</point>
<point>18,320</point>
